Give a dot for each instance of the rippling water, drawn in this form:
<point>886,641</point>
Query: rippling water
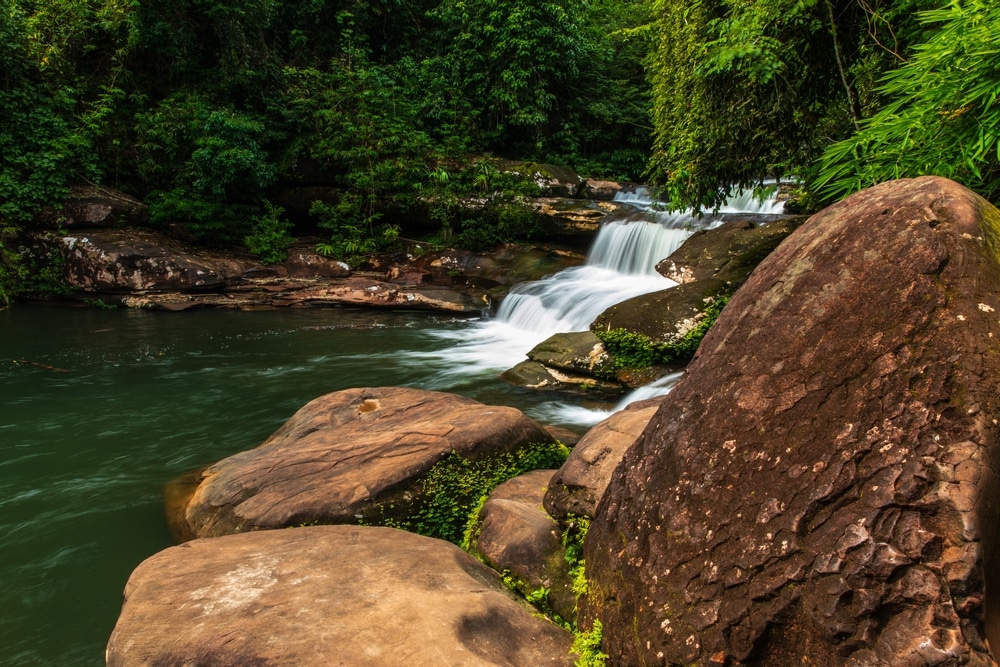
<point>99,409</point>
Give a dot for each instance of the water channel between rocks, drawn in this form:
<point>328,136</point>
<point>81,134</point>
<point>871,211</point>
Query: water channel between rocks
<point>99,409</point>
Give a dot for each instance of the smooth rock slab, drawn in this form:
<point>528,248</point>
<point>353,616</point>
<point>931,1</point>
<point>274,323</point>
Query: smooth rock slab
<point>326,596</point>
<point>351,456</point>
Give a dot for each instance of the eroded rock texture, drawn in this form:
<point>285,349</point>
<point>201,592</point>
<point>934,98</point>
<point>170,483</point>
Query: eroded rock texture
<point>813,491</point>
<point>350,456</point>
<point>325,596</point>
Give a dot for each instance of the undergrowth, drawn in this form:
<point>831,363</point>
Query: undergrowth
<point>457,485</point>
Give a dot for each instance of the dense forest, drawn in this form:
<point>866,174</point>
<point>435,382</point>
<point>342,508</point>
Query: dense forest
<point>206,109</point>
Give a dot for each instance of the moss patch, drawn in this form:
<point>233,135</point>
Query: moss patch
<point>456,487</point>
<point>631,350</point>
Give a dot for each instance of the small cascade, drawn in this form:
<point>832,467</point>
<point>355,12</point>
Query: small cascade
<point>621,264</point>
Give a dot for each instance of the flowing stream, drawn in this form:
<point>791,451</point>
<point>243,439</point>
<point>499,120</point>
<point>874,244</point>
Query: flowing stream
<point>99,409</point>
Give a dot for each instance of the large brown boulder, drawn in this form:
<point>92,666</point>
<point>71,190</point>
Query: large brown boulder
<point>326,596</point>
<point>819,485</point>
<point>356,455</point>
<point>130,260</point>
<point>581,481</point>
<point>516,536</point>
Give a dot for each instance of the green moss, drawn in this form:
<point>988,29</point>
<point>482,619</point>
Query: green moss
<point>631,350</point>
<point>454,490</point>
<point>588,646</point>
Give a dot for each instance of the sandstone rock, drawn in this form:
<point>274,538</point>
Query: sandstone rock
<point>134,260</point>
<point>728,252</point>
<point>569,220</point>
<point>326,596</point>
<point>552,180</point>
<point>92,207</point>
<point>517,536</point>
<point>306,264</point>
<point>601,190</point>
<point>580,482</point>
<point>351,456</point>
<point>820,482</point>
<point>578,352</point>
<point>365,292</point>
<point>665,316</point>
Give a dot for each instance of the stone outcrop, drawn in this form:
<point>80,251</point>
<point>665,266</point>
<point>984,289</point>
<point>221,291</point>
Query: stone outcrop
<point>821,482</point>
<point>517,536</point>
<point>536,375</point>
<point>322,596</point>
<point>135,260</point>
<point>710,264</point>
<point>351,456</point>
<point>580,482</point>
<point>728,252</point>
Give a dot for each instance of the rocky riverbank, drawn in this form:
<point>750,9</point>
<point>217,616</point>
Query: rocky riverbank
<point>820,483</point>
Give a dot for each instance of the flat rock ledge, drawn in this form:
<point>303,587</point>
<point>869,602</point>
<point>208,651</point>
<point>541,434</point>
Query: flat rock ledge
<point>351,456</point>
<point>326,596</point>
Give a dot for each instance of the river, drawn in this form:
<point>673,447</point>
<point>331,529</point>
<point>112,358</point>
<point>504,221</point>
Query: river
<point>99,409</point>
<point>114,404</point>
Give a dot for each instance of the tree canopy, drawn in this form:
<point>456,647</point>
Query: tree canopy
<point>205,109</point>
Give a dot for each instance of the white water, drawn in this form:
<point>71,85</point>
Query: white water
<point>621,264</point>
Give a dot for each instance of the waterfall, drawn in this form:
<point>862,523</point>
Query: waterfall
<point>621,264</point>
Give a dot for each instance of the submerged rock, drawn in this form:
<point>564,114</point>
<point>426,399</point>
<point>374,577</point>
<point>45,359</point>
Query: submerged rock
<point>351,456</point>
<point>821,481</point>
<point>517,536</point>
<point>326,595</point>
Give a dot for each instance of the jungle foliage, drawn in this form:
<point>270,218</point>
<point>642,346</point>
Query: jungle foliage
<point>204,108</point>
<point>208,109</point>
<point>839,94</point>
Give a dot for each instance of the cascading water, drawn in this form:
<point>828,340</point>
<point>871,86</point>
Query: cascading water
<point>621,264</point>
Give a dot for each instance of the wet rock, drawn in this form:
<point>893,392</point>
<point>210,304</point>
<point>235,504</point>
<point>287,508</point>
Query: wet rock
<point>518,537</point>
<point>93,207</point>
<point>728,252</point>
<point>580,482</point>
<point>821,483</point>
<point>601,190</point>
<point>351,456</point>
<point>666,316</point>
<point>573,220</point>
<point>326,595</point>
<point>533,375</point>
<point>578,352</point>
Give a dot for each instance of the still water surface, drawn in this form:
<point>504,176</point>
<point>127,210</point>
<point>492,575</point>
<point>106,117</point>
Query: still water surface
<point>117,403</point>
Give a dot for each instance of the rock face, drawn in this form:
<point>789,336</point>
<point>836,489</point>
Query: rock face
<point>580,482</point>
<point>517,536</point>
<point>820,483</point>
<point>127,260</point>
<point>349,456</point>
<point>324,596</point>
